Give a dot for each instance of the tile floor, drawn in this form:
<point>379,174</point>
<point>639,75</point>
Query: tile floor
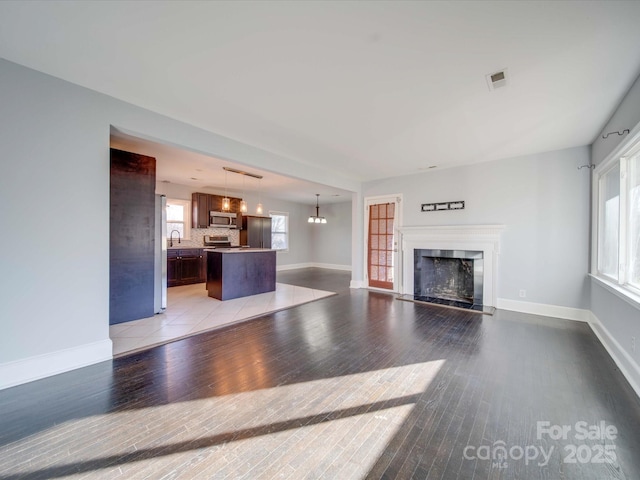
<point>190,311</point>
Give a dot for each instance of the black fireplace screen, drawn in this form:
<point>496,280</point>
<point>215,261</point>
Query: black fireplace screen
<point>448,276</point>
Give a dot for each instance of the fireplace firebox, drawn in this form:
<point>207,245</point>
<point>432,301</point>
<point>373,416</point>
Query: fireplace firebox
<point>449,277</point>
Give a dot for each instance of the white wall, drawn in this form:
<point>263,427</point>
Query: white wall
<point>331,242</point>
<point>543,200</point>
<point>620,319</point>
<point>54,248</point>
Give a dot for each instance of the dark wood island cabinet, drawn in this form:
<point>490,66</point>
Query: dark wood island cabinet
<point>240,272</point>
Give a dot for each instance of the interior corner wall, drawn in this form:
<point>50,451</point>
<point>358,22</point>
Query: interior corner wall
<point>625,117</point>
<point>55,242</point>
<point>543,201</point>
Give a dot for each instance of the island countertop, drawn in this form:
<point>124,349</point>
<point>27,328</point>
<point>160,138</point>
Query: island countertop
<point>238,250</point>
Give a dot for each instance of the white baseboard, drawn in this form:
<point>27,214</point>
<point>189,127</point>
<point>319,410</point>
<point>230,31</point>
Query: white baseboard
<point>41,366</point>
<point>331,266</point>
<point>556,311</point>
<point>623,360</point>
<point>358,284</point>
<point>293,266</point>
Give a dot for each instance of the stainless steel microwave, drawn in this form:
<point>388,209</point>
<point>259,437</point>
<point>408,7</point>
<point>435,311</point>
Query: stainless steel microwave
<point>223,220</point>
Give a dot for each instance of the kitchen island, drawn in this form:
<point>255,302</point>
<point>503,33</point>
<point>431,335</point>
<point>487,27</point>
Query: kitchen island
<point>240,272</point>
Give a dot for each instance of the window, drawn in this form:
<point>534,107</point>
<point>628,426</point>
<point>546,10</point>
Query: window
<point>179,217</point>
<point>634,222</point>
<point>618,220</point>
<point>609,225</point>
<point>279,230</point>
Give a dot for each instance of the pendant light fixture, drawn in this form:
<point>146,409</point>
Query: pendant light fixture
<point>317,218</point>
<point>259,206</point>
<point>243,203</point>
<point>226,204</point>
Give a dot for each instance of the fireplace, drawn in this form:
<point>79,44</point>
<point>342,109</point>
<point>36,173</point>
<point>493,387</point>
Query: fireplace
<point>459,250</point>
<point>449,277</point>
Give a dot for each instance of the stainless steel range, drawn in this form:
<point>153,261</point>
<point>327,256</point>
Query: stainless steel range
<point>216,241</point>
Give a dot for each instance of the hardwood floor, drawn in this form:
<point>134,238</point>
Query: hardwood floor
<point>357,385</point>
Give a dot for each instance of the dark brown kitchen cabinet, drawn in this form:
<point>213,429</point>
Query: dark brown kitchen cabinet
<point>203,266</point>
<point>185,266</point>
<point>256,231</point>
<point>200,209</point>
<point>215,203</point>
<point>203,203</point>
<point>235,205</point>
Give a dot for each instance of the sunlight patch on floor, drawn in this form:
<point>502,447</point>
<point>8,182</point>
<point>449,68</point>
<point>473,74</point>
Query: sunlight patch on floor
<point>325,428</point>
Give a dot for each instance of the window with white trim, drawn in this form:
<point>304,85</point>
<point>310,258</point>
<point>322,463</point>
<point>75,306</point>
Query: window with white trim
<point>179,217</point>
<point>279,231</point>
<point>617,186</point>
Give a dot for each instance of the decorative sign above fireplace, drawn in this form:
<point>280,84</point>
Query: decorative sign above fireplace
<point>436,207</point>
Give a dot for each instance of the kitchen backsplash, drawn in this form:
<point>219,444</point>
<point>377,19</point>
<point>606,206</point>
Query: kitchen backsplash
<point>197,237</point>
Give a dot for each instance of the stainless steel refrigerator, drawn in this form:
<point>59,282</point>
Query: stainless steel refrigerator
<point>160,268</point>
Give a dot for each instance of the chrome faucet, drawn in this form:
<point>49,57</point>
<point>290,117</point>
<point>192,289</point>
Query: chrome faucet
<point>171,237</point>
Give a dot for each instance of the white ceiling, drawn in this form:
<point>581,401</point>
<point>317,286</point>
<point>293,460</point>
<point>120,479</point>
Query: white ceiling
<point>203,172</point>
<point>367,89</point>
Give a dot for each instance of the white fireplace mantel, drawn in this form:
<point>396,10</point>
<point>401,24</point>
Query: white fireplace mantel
<point>484,238</point>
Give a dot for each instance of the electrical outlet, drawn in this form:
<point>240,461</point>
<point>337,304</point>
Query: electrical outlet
<point>633,344</point>
<point>523,293</point>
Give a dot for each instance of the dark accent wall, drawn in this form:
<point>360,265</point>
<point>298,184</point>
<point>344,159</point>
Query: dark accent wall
<point>132,236</point>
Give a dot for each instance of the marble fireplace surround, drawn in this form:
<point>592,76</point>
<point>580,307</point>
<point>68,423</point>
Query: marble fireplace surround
<point>484,238</point>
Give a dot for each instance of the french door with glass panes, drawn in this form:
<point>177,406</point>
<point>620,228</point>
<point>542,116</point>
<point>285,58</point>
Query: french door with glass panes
<point>382,245</point>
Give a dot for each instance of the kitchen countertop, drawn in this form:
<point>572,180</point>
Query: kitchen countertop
<point>187,247</point>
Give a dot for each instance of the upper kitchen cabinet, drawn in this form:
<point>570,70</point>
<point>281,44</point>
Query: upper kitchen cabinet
<point>235,205</point>
<point>200,208</point>
<point>203,203</point>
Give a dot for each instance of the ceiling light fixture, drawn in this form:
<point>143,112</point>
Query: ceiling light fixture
<point>259,206</point>
<point>317,218</point>
<point>243,203</point>
<point>226,204</point>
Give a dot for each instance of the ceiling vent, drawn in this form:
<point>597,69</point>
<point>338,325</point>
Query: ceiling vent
<point>497,79</point>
